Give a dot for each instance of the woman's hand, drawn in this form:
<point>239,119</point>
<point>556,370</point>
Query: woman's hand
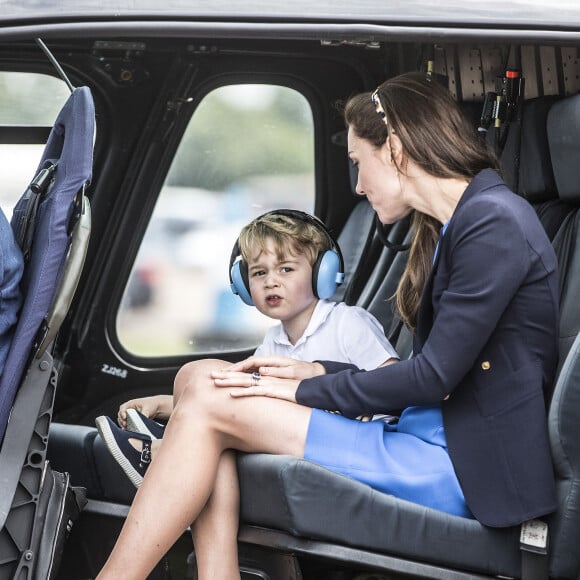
<point>242,384</point>
<point>157,406</point>
<point>279,367</point>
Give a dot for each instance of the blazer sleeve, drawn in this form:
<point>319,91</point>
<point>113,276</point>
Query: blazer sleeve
<point>484,258</point>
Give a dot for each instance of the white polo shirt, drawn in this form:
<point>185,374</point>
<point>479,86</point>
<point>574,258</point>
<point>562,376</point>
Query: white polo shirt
<point>335,332</point>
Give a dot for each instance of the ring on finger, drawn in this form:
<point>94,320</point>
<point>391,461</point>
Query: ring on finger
<point>255,379</point>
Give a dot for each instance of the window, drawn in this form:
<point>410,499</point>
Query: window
<point>30,99</point>
<point>248,149</point>
<point>29,104</point>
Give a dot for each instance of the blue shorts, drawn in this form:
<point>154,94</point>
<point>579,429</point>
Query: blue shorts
<point>408,460</point>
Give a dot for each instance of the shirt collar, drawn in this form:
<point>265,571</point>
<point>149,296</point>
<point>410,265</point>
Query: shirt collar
<point>321,312</point>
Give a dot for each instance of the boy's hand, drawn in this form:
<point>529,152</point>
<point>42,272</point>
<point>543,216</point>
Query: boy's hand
<point>243,384</point>
<point>280,367</point>
<point>156,406</point>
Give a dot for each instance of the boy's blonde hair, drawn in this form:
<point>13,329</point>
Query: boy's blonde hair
<point>290,235</point>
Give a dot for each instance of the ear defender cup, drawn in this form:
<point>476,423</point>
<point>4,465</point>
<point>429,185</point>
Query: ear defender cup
<point>240,283</point>
<point>326,274</point>
<point>327,271</point>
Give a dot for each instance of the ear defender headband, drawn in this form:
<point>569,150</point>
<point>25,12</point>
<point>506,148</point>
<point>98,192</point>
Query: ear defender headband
<point>327,271</point>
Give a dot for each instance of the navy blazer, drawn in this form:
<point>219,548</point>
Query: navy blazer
<point>485,348</point>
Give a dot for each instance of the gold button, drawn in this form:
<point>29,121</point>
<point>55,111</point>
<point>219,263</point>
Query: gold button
<point>485,365</point>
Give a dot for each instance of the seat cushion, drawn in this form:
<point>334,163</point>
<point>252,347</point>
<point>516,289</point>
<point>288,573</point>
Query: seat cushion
<point>79,451</point>
<point>304,499</point>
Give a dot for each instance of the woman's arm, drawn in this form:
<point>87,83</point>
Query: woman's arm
<point>278,366</point>
<point>482,264</point>
<point>268,376</point>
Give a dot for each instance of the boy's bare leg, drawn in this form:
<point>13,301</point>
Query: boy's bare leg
<point>205,422</point>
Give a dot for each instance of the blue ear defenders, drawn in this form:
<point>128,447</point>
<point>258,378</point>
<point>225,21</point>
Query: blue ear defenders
<point>327,271</point>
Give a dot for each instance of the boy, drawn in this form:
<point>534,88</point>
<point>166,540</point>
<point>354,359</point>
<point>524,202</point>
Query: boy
<point>287,264</point>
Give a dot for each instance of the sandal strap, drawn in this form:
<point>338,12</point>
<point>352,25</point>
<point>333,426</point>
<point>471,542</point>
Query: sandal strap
<point>146,451</point>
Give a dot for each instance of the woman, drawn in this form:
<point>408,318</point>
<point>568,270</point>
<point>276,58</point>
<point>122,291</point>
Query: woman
<point>481,298</point>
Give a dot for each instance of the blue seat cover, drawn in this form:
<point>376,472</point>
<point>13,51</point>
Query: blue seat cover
<point>70,145</point>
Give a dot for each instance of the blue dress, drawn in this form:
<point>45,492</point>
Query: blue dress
<point>408,460</point>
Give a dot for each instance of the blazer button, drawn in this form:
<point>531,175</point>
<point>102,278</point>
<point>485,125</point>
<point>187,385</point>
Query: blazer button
<point>485,365</point>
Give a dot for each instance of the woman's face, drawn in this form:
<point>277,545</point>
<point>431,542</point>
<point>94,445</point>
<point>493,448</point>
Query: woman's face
<point>378,178</point>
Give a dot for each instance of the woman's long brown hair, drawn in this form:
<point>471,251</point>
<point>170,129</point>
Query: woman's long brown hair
<point>437,137</point>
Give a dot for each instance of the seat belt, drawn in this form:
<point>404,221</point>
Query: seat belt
<point>534,550</point>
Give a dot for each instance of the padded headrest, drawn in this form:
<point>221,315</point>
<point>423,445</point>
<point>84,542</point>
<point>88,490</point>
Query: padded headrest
<point>564,140</point>
<point>536,176</point>
<point>527,148</point>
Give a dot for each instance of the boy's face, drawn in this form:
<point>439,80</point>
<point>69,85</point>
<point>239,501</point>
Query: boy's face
<point>282,289</point>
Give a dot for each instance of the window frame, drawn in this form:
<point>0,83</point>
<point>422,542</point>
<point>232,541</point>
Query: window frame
<point>145,211</point>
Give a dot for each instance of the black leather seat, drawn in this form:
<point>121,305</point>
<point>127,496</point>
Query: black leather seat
<point>360,249</point>
<point>563,132</point>
<point>532,161</point>
<point>380,303</point>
